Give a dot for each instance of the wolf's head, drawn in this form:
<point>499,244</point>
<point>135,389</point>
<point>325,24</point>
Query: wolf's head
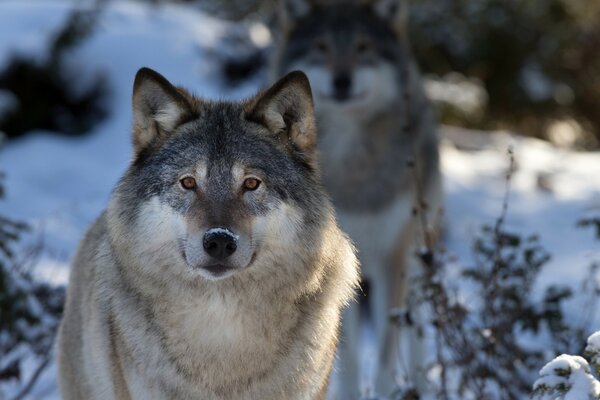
<point>217,188</point>
<point>349,50</point>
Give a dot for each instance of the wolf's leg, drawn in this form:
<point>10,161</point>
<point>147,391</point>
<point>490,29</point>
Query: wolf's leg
<point>405,346</point>
<point>369,343</point>
<point>380,306</point>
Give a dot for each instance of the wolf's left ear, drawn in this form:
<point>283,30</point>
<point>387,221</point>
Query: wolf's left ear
<point>286,110</point>
<point>158,108</point>
<point>394,11</point>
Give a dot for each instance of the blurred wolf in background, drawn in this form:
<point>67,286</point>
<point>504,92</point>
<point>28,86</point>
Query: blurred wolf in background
<point>217,270</point>
<point>374,120</point>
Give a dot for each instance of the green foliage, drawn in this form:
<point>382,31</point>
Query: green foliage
<point>537,59</point>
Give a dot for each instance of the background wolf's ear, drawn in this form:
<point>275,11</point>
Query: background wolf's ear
<point>394,11</point>
<point>292,10</point>
<point>286,110</point>
<point>158,108</point>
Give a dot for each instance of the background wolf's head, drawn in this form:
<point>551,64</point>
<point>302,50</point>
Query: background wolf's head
<point>349,50</point>
<point>218,187</point>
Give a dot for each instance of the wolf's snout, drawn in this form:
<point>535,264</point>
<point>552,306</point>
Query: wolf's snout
<point>219,243</point>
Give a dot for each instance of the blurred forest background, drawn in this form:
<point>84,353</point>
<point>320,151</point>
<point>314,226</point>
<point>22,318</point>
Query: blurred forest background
<point>528,66</point>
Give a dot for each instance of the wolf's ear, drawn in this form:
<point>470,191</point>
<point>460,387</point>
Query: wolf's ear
<point>291,11</point>
<point>158,108</point>
<point>286,110</point>
<point>394,11</point>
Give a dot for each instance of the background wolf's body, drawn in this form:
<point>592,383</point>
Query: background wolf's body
<point>142,323</point>
<point>374,120</point>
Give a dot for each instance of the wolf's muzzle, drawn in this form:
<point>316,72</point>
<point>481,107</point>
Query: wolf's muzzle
<point>219,243</point>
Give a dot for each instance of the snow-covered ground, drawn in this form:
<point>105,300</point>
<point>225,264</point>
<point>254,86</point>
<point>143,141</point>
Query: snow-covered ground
<point>60,185</point>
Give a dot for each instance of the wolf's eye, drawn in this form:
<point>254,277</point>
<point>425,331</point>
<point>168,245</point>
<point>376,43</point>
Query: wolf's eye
<point>251,183</point>
<point>362,47</point>
<point>321,46</point>
<point>188,183</point>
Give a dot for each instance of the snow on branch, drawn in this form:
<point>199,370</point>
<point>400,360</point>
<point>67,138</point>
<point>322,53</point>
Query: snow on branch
<point>570,377</point>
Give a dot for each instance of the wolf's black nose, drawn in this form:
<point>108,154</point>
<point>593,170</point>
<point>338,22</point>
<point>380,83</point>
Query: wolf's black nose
<point>219,243</point>
<point>341,86</point>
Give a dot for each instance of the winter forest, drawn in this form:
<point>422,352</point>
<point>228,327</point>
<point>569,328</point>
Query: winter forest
<point>506,292</point>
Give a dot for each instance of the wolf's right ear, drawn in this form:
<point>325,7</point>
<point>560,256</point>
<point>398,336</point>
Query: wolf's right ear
<point>395,12</point>
<point>158,108</point>
<point>286,110</point>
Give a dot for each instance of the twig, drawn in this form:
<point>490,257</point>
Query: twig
<point>27,388</point>
<point>507,188</point>
<point>498,242</point>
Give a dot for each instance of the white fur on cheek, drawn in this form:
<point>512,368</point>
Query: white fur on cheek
<point>379,83</point>
<point>277,229</point>
<point>157,231</point>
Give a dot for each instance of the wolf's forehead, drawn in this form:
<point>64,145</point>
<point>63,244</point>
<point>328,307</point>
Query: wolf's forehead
<point>345,20</point>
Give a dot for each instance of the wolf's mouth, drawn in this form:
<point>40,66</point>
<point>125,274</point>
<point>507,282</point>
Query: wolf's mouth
<point>218,269</point>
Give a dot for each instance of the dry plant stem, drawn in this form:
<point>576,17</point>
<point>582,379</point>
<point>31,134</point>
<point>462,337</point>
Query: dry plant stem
<point>490,314</point>
<point>36,374</point>
<point>443,393</point>
<point>447,330</point>
<point>419,209</point>
<point>498,238</point>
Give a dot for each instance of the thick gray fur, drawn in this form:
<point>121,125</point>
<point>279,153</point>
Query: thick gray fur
<point>146,317</point>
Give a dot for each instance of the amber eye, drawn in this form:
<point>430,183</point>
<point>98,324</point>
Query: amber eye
<point>188,183</point>
<point>251,183</point>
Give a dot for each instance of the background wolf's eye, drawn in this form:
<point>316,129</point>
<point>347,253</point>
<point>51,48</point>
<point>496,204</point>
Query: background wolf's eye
<point>188,183</point>
<point>321,45</point>
<point>362,47</point>
<point>251,183</point>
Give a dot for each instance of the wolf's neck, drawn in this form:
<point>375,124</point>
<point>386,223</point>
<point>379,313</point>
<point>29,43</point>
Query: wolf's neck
<point>363,161</point>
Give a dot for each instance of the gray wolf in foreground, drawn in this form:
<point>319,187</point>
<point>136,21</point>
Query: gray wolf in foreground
<point>217,270</point>
<point>373,119</point>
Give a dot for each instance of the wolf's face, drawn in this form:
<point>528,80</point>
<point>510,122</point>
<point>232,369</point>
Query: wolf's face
<point>217,187</point>
<point>349,51</point>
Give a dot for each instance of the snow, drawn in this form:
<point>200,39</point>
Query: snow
<point>567,363</point>
<point>594,342</point>
<point>60,185</point>
<point>567,372</point>
<point>592,350</point>
<point>222,231</point>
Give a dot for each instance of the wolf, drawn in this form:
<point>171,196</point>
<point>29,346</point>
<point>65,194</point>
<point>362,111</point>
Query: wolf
<point>379,151</point>
<point>217,270</point>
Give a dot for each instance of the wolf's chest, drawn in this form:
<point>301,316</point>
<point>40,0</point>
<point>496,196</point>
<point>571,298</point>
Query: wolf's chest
<point>225,334</point>
<point>219,324</point>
